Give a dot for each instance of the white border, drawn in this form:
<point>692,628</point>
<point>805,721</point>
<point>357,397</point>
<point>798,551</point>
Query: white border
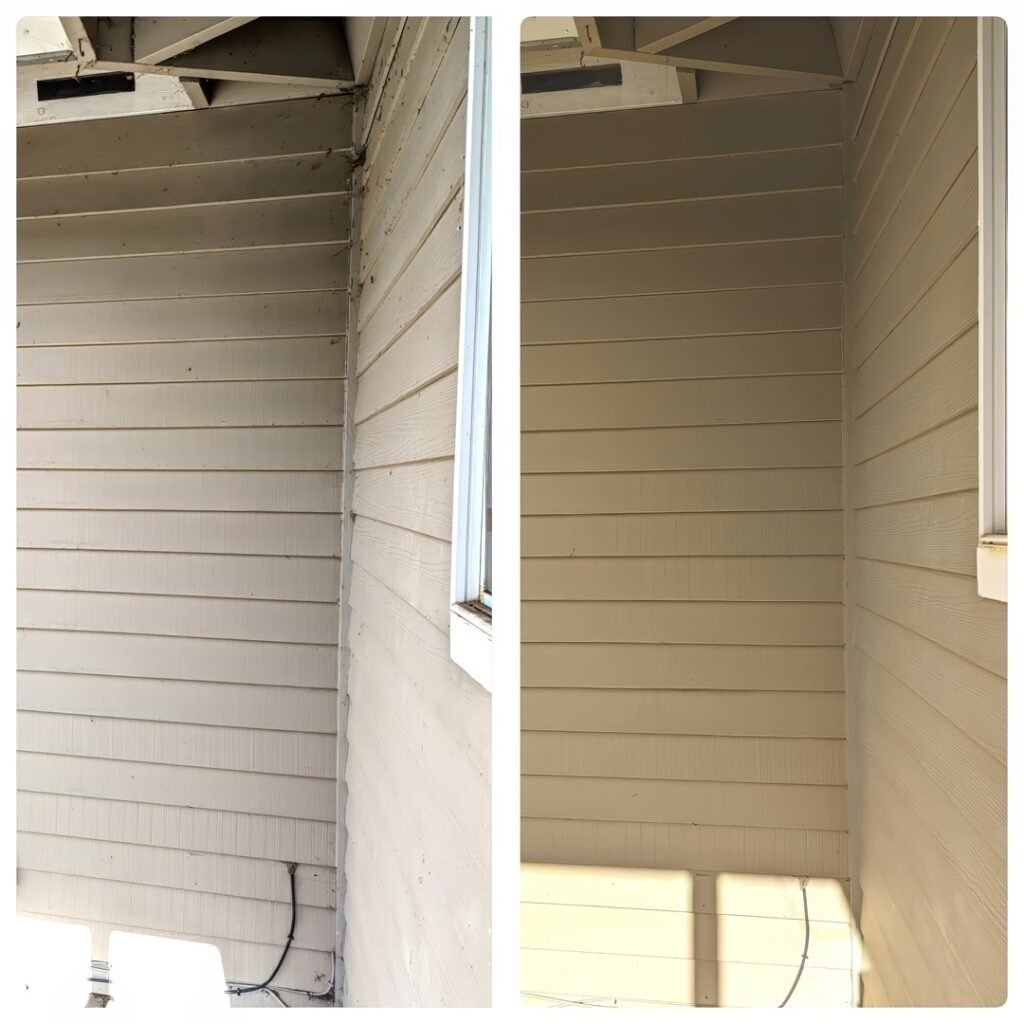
<point>992,184</point>
<point>470,631</point>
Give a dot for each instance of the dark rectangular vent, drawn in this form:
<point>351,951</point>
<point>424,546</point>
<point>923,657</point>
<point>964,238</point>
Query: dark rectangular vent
<point>88,85</point>
<point>597,76</point>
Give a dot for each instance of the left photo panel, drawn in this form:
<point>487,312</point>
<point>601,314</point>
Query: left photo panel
<point>253,512</point>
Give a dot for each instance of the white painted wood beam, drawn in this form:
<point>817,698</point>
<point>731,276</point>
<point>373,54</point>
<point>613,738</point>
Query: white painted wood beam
<point>159,39</point>
<point>798,48</point>
<point>687,86</point>
<point>654,35</point>
<point>197,91</point>
<point>78,32</point>
<point>364,37</point>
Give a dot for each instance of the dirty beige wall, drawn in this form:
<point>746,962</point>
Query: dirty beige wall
<point>927,682</point>
<point>417,905</point>
<point>181,288</point>
<point>682,455</point>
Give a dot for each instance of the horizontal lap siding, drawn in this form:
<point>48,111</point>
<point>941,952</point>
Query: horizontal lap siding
<point>182,287</point>
<point>927,685</point>
<point>682,458</point>
<point>417,905</point>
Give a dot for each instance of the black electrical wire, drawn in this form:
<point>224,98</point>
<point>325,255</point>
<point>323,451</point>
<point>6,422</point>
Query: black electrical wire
<point>807,943</point>
<point>241,989</point>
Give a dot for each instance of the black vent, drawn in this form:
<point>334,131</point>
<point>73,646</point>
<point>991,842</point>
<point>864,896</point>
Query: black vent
<point>89,85</point>
<point>595,77</point>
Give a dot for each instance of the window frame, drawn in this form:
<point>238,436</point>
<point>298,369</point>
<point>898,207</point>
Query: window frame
<point>470,613</point>
<point>992,188</point>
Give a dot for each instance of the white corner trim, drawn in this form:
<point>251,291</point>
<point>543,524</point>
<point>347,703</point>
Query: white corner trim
<point>992,561</point>
<point>470,639</point>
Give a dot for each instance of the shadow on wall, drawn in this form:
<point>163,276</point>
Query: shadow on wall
<point>627,937</point>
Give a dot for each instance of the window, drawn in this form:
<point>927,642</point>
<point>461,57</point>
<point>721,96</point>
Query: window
<point>992,522</point>
<point>471,599</point>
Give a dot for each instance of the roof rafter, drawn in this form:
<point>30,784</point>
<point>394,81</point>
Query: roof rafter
<point>159,39</point>
<point>653,35</point>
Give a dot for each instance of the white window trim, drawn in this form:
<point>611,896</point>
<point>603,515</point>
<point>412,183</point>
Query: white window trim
<point>469,625</point>
<point>992,182</point>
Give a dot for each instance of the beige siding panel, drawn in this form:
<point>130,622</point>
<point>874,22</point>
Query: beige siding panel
<point>302,448</point>
<point>728,758</point>
<point>942,316</point>
<point>681,403</point>
<point>142,572</point>
<point>420,427</point>
<point>669,181</point>
<point>813,852</point>
<point>187,185</point>
<point>710,490</point>
<point>424,353</point>
<point>682,358</point>
<point>232,703</point>
<point>697,269</point>
<point>189,828</point>
<point>418,894</point>
<point>938,533</point>
<point>694,713</point>
<point>193,404</point>
<point>213,789</point>
<point>927,684</point>
<point>672,132</point>
<point>303,622</point>
<point>682,492</point>
<point>227,133</point>
<point>416,497</point>
<point>961,692</point>
<point>810,214</point>
<point>410,204</point>
<point>290,314</point>
<point>180,869</point>
<point>941,607</point>
<point>179,490</point>
<point>234,749</point>
<point>228,533</point>
<point>319,267</point>
<point>681,534</point>
<point>941,391</point>
<point>681,667</point>
<point>230,661</point>
<point>683,579</point>
<point>295,221</point>
<point>802,308</point>
<point>399,303</point>
<point>415,567</point>
<point>195,913</point>
<point>938,462</point>
<point>670,448</point>
<point>182,323</point>
<point>711,803</point>
<point>153,362</point>
<point>950,229</point>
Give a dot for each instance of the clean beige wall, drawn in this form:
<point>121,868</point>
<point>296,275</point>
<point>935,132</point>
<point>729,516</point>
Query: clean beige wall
<point>682,533</point>
<point>927,669</point>
<point>181,288</point>
<point>417,905</point>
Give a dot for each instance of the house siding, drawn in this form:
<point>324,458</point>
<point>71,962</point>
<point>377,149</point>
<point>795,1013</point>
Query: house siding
<point>417,861</point>
<point>682,534</point>
<point>927,656</point>
<point>182,296</point>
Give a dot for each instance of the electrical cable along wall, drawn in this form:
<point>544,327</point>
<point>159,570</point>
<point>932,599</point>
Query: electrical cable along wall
<point>182,300</point>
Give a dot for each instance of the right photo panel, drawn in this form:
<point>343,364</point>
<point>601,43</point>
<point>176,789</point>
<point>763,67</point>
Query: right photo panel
<point>764,532</point>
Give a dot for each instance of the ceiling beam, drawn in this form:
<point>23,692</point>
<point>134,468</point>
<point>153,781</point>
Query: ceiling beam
<point>197,91</point>
<point>687,85</point>
<point>364,37</point>
<point>159,39</point>
<point>80,33</point>
<point>799,48</point>
<point>656,34</point>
